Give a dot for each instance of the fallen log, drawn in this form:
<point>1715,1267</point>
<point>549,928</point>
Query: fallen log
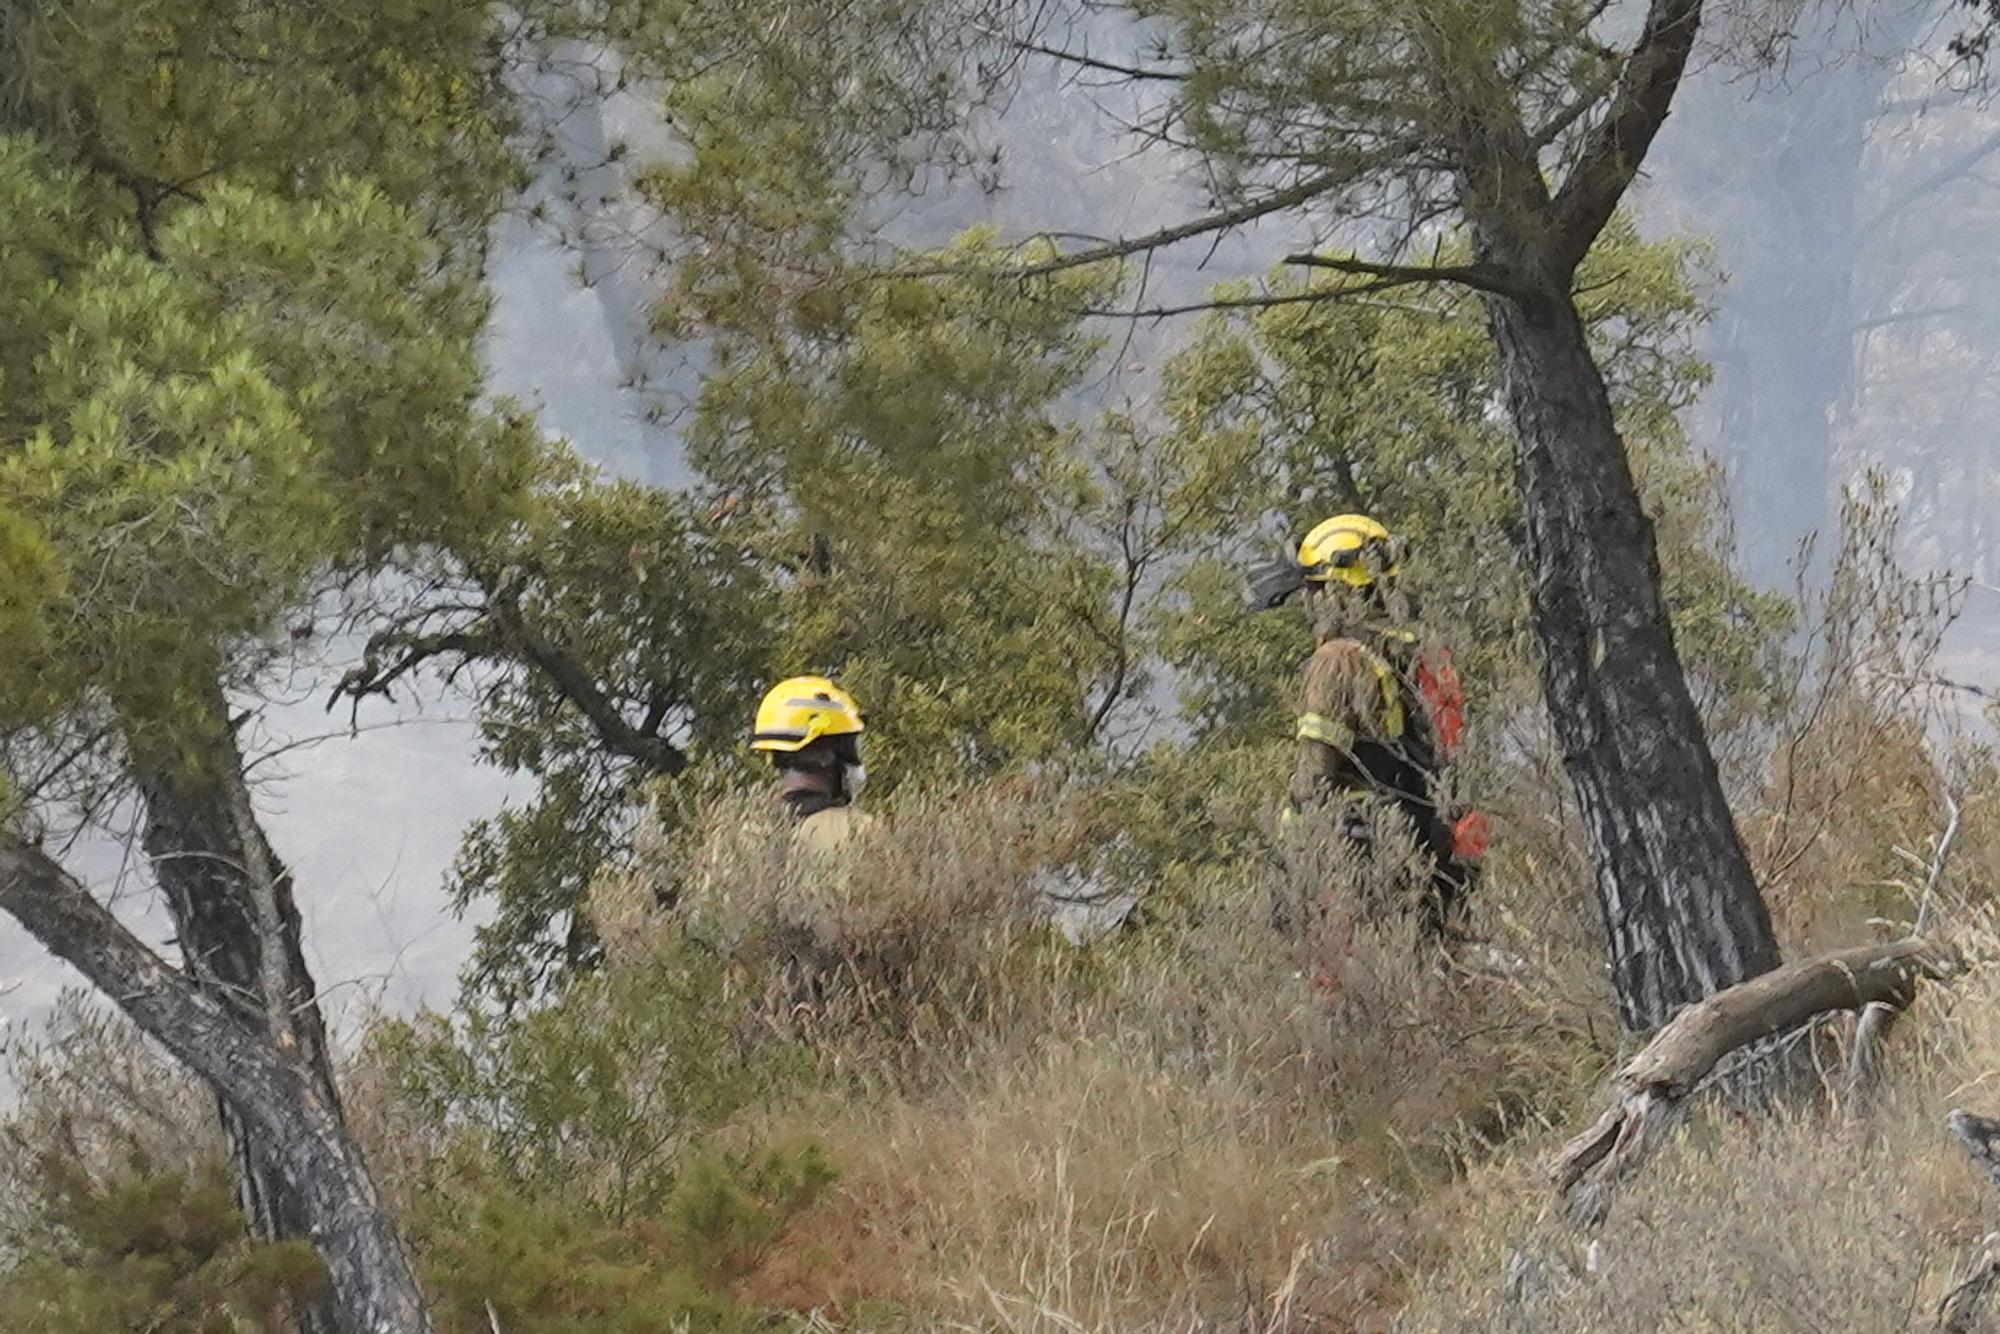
<point>1650,1094</point>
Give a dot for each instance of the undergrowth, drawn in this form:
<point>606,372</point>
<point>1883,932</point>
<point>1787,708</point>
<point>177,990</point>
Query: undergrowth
<point>1034,1057</point>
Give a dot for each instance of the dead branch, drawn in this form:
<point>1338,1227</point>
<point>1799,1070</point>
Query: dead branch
<point>1649,1096</point>
<point>1959,1313</point>
<point>1876,1017</point>
<point>1483,277</point>
<point>1862,1062</point>
<point>293,1118</point>
<point>1303,191</point>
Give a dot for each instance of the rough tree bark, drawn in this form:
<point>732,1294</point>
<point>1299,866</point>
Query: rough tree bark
<point>269,1089</point>
<point>230,897</point>
<point>1679,901</point>
<point>1681,909</point>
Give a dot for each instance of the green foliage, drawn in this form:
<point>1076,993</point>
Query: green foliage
<point>540,1266</point>
<point>653,599</point>
<point>571,1174</point>
<point>894,494</point>
<point>144,1248</point>
<point>164,98</point>
<point>200,443</point>
<point>596,1096</point>
<point>897,448</point>
<point>1386,408</point>
<point>240,361</point>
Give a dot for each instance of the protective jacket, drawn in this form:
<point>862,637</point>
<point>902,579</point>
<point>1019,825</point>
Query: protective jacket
<point>1377,722</point>
<point>824,826</point>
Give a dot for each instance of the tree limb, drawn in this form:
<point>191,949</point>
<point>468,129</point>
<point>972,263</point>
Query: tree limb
<point>582,690</point>
<point>1615,148</point>
<point>1878,1016</point>
<point>394,654</point>
<point>1649,1094</point>
<point>370,1272</point>
<point>1136,72</point>
<point>508,637</point>
<point>1263,301</point>
<point>1483,277</point>
<point>1276,202</point>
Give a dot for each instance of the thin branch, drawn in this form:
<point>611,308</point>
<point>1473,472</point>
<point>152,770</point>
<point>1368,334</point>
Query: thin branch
<point>1561,122</point>
<point>1264,301</point>
<point>1276,202</point>
<point>392,655</point>
<point>1135,72</point>
<point>1938,860</point>
<point>1483,277</point>
<point>577,686</point>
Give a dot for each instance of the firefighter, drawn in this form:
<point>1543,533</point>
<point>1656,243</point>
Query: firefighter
<point>1379,717</point>
<point>811,729</point>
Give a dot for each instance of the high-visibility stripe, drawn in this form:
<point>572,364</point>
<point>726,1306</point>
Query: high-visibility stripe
<point>1318,727</point>
<point>1392,694</point>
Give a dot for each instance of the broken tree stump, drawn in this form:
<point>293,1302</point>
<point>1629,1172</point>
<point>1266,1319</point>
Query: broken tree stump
<point>1650,1094</point>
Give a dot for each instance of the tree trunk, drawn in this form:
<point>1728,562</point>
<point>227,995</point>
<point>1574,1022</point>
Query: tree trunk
<point>272,1093</point>
<point>230,898</point>
<point>1681,909</point>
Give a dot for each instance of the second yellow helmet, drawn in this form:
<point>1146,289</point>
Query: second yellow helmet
<point>1351,549</point>
<point>801,710</point>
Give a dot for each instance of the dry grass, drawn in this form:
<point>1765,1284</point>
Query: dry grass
<point>1807,1220</point>
<point>1205,1124</point>
<point>1201,1124</point>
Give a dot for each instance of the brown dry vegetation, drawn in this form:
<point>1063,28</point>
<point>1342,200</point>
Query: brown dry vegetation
<point>1194,1122</point>
<point>1182,1126</point>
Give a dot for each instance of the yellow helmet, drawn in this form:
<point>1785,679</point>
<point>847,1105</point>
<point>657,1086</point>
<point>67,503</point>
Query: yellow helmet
<point>802,709</point>
<point>1336,547</point>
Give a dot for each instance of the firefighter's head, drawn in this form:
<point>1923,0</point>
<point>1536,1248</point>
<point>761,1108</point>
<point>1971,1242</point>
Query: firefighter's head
<point>811,729</point>
<point>1347,567</point>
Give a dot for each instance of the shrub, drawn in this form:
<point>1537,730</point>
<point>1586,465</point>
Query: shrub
<point>538,1264</point>
<point>594,1097</point>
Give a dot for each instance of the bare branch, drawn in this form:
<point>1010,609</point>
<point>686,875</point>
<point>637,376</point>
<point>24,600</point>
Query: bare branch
<point>1938,860</point>
<point>275,1096</point>
<point>1135,72</point>
<point>1277,201</point>
<point>1267,300</point>
<point>1483,277</point>
<point>583,691</point>
<point>507,636</point>
<point>394,654</point>
<point>1959,1313</point>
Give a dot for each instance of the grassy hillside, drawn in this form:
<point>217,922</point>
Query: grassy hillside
<point>892,1095</point>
